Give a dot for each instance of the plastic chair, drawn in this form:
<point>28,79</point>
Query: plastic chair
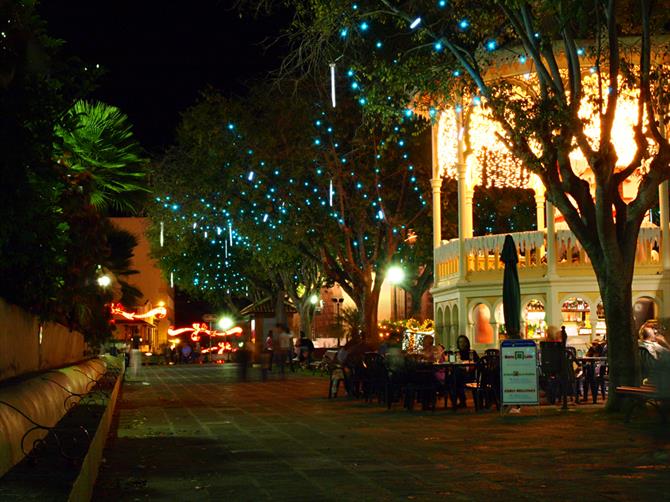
<point>486,387</point>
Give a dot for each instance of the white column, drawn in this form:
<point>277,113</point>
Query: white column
<point>665,226</point>
<point>436,183</point>
<point>539,207</point>
<point>464,208</point>
<point>552,309</point>
<point>551,242</point>
<point>469,195</point>
<point>462,222</point>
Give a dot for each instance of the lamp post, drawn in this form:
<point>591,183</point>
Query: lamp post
<point>338,302</point>
<point>225,323</point>
<point>396,275</point>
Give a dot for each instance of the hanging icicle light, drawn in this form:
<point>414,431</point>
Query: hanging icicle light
<point>332,83</point>
<point>162,236</point>
<point>415,23</point>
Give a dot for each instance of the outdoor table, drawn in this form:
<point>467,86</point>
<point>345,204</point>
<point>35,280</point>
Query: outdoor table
<point>449,380</point>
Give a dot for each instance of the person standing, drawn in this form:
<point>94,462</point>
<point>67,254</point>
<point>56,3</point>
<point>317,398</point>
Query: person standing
<point>268,350</point>
<point>282,347</point>
<point>306,348</point>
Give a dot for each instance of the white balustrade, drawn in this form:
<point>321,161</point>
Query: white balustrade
<point>483,253</point>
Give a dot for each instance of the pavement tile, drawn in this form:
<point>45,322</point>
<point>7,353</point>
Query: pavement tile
<point>195,433</point>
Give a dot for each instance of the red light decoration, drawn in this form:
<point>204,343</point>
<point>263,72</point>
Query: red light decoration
<point>198,329</point>
<point>220,348</point>
<point>158,312</point>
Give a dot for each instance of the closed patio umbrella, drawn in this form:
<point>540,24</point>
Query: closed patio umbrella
<point>511,291</point>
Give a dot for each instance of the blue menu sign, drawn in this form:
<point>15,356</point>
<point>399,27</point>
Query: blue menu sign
<point>518,372</point>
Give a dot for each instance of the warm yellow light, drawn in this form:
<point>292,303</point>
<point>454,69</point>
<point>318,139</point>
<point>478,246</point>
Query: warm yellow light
<point>395,274</point>
<point>489,163</point>
<point>226,323</point>
<point>104,281</point>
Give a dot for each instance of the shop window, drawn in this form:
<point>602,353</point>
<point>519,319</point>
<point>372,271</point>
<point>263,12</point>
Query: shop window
<point>534,319</point>
<point>576,313</point>
<point>481,317</point>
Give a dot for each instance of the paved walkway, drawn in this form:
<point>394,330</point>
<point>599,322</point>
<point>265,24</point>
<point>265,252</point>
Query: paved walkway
<point>193,433</point>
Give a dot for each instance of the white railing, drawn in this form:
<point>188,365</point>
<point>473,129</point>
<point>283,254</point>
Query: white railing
<point>483,253</point>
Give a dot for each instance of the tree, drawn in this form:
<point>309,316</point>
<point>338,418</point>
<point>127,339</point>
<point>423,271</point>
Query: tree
<point>212,210</point>
<point>37,85</point>
<point>100,165</point>
<point>99,155</point>
<point>569,46</point>
<point>316,181</point>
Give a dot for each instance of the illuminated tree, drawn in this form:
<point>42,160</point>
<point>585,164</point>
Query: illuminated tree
<point>280,174</point>
<point>446,53</point>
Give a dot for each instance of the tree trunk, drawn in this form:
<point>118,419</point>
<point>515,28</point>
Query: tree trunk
<point>371,305</point>
<point>415,305</point>
<point>622,352</point>
<point>306,311</point>
<point>280,309</point>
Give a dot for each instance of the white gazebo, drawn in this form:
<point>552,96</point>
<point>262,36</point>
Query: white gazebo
<point>558,285</point>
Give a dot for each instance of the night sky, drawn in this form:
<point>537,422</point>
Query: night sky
<point>160,55</point>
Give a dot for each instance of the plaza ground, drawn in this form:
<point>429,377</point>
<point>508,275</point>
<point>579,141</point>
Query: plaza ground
<point>194,433</point>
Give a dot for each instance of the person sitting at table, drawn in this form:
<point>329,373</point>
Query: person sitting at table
<point>463,375</point>
<point>649,341</point>
<point>441,353</point>
<point>430,353</point>
<point>464,352</point>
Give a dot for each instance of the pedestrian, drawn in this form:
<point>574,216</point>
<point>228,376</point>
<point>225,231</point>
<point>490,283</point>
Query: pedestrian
<point>306,347</point>
<point>243,360</point>
<point>266,356</point>
<point>282,346</point>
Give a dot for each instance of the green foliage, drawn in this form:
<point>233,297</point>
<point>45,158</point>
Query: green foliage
<point>37,85</point>
<point>263,167</point>
<point>95,146</point>
<point>52,240</point>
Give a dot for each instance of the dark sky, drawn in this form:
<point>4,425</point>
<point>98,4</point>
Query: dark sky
<point>160,54</point>
<point>158,57</point>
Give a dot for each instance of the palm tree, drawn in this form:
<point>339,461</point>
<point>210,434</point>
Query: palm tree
<point>94,143</point>
<point>121,244</point>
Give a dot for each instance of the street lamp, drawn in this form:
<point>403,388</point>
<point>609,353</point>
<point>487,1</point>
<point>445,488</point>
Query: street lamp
<point>338,302</point>
<point>104,281</point>
<point>396,275</point>
<point>225,323</point>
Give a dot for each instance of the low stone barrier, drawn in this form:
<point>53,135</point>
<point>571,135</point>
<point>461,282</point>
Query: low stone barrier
<point>28,408</point>
<point>64,463</point>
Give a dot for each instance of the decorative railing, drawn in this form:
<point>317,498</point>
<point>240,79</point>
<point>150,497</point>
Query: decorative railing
<point>446,259</point>
<point>482,254</point>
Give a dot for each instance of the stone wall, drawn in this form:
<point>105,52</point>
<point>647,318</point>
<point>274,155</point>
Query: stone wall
<point>40,399</point>
<point>24,349</point>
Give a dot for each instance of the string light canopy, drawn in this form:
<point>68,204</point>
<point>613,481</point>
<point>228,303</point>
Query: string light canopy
<point>275,203</point>
<point>490,163</point>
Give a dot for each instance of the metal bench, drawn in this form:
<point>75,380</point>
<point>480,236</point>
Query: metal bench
<point>640,396</point>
